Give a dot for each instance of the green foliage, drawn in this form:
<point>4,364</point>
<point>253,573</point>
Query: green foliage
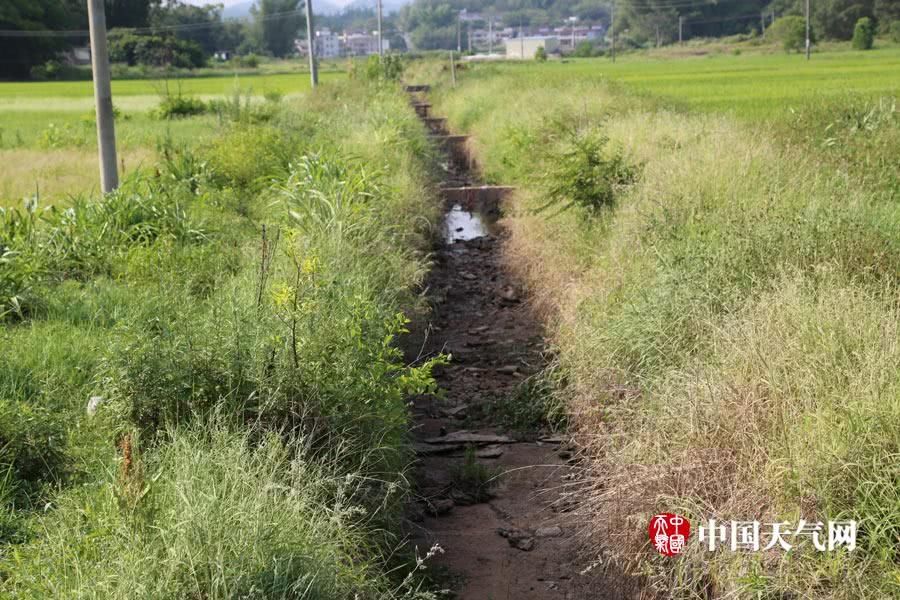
<point>248,154</point>
<point>248,61</point>
<point>534,405</point>
<point>584,50</point>
<point>790,31</point>
<point>155,50</point>
<point>53,70</point>
<point>864,34</point>
<point>217,512</point>
<point>540,54</point>
<point>276,24</point>
<point>20,54</point>
<point>32,445</point>
<point>232,365</point>
<point>380,68</point>
<point>174,106</point>
<point>895,32</point>
<point>42,245</point>
<point>585,171</point>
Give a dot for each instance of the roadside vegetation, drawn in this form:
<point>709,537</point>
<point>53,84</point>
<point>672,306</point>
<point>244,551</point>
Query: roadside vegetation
<point>721,285</point>
<point>200,395</point>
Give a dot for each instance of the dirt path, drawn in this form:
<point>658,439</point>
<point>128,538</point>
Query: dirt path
<point>517,543</point>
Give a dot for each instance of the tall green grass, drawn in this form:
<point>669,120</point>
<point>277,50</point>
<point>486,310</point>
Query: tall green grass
<point>234,310</point>
<point>727,326</point>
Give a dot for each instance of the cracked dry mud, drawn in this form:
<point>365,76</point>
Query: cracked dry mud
<point>518,544</point>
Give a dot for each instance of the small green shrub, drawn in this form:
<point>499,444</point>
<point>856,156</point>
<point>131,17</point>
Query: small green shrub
<point>248,61</point>
<point>790,31</point>
<point>864,34</point>
<point>540,54</point>
<point>69,135</point>
<point>248,154</point>
<point>586,172</point>
<point>584,50</point>
<point>178,106</point>
<point>895,32</point>
<point>379,68</point>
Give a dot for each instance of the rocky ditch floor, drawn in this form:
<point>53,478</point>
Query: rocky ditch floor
<point>496,499</point>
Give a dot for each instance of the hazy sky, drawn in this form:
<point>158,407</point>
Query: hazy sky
<point>230,2</point>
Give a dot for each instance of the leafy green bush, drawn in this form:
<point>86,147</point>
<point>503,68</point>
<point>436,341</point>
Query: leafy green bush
<point>31,444</point>
<point>584,50</point>
<point>864,34</point>
<point>176,106</point>
<point>895,31</point>
<point>585,171</point>
<point>790,31</point>
<point>248,61</point>
<point>379,68</point>
<point>540,54</point>
<point>247,154</point>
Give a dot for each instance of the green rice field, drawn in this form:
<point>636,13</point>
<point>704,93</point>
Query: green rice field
<point>47,138</point>
<point>755,86</point>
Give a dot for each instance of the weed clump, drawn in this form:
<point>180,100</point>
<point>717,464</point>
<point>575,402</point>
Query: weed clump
<point>586,171</point>
<point>472,480</point>
<point>175,106</point>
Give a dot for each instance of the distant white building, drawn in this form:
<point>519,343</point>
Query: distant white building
<point>362,44</point>
<point>524,48</point>
<point>332,45</point>
<point>328,44</point>
<point>570,37</point>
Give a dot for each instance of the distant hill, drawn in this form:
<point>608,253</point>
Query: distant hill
<point>390,6</point>
<point>241,10</point>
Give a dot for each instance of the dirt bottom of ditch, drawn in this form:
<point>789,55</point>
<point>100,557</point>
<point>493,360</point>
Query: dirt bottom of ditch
<point>494,494</point>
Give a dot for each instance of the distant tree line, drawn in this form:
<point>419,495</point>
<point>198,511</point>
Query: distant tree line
<point>432,24</point>
<point>148,32</point>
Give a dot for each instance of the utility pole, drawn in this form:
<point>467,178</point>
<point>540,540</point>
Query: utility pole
<point>380,42</point>
<point>572,21</point>
<point>459,32</point>
<point>491,36</point>
<point>106,128</point>
<point>807,30</point>
<point>680,30</point>
<point>311,46</point>
<point>452,68</point>
<point>612,26</point>
<point>521,41</point>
